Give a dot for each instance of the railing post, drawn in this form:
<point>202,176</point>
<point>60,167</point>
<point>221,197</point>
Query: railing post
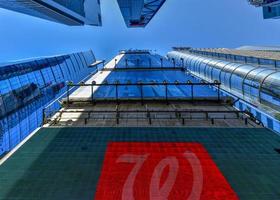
<point>149,117</point>
<point>161,62</point>
<point>166,91</point>
<point>219,92</point>
<point>67,95</point>
<point>141,91</point>
<point>117,116</point>
<point>68,88</point>
<point>44,116</point>
<point>192,92</point>
<point>116,63</point>
<point>117,92</point>
<point>92,97</point>
<point>126,63</point>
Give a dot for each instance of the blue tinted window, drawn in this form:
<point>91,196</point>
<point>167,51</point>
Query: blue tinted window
<point>24,79</point>
<point>47,73</point>
<point>5,87</point>
<point>57,73</point>
<point>75,62</point>
<point>15,82</point>
<point>66,71</point>
<point>39,78</point>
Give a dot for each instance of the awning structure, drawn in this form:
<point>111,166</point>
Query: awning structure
<point>138,13</point>
<point>96,63</point>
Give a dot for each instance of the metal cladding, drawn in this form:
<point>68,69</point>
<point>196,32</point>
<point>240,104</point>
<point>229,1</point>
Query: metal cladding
<point>138,13</point>
<point>256,84</point>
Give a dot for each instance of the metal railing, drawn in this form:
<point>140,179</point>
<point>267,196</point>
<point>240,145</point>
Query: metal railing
<point>55,105</point>
<point>151,115</point>
<point>238,58</point>
<point>117,97</point>
<point>144,68</point>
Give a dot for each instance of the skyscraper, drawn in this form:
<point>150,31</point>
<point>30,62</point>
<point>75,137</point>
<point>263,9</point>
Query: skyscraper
<point>145,127</point>
<point>138,13</point>
<point>271,8</point>
<point>78,12</point>
<point>27,87</point>
<point>251,77</point>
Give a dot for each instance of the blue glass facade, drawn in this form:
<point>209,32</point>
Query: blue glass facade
<point>264,2</point>
<point>69,12</point>
<point>26,88</point>
<point>152,70</point>
<point>251,59</point>
<point>257,84</point>
<point>255,88</point>
<point>270,12</point>
<point>138,13</point>
<point>77,5</point>
<point>271,8</point>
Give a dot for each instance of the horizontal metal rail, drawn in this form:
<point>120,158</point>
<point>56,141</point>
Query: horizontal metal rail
<point>154,111</point>
<point>142,68</point>
<point>141,86</point>
<point>151,115</point>
<point>145,84</point>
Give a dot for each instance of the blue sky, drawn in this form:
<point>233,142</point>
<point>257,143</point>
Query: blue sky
<point>196,23</point>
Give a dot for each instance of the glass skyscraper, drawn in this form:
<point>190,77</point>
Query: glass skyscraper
<point>271,8</point>
<point>148,127</point>
<point>138,13</point>
<point>252,77</point>
<point>68,12</point>
<point>27,87</point>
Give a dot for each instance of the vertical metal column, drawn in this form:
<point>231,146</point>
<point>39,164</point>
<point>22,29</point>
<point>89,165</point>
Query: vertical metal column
<point>141,91</point>
<point>219,90</point>
<point>117,92</point>
<point>166,91</point>
<point>192,92</point>
<point>44,116</point>
<point>68,85</point>
<point>92,98</point>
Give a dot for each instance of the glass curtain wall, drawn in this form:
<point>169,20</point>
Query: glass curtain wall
<point>152,70</point>
<point>27,88</point>
<point>256,83</point>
